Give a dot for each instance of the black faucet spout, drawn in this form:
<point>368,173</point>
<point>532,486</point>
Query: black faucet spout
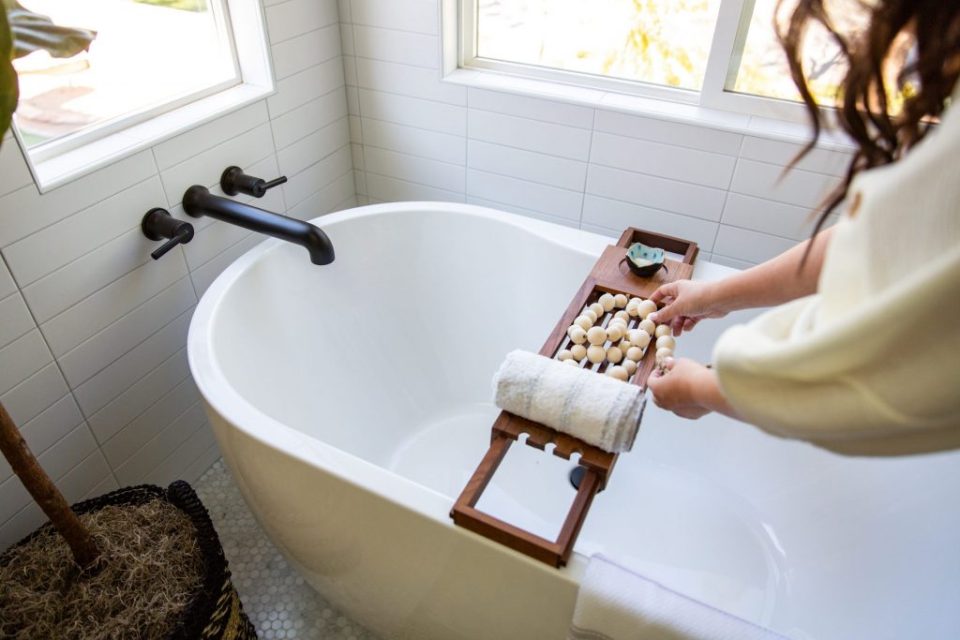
<point>198,201</point>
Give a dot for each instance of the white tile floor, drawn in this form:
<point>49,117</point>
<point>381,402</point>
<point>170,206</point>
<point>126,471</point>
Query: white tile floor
<point>278,601</point>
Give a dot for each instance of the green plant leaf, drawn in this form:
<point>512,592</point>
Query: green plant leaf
<point>184,5</point>
<point>9,87</point>
<point>34,32</point>
<point>22,32</point>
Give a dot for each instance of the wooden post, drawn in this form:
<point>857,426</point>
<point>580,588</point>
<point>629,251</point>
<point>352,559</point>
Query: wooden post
<point>45,492</point>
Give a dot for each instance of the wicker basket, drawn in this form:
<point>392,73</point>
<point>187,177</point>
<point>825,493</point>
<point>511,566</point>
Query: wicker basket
<point>216,613</point>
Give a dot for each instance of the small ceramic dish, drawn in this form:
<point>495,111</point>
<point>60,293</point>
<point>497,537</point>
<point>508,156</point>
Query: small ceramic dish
<point>644,261</point>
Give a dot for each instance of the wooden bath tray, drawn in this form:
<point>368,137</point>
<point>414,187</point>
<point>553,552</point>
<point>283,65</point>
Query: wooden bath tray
<point>609,275</point>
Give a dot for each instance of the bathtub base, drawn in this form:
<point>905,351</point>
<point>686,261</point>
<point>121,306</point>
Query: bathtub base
<point>400,574</point>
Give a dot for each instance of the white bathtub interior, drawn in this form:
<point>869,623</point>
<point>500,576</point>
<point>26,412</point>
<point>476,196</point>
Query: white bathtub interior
<point>405,340</point>
<point>387,354</point>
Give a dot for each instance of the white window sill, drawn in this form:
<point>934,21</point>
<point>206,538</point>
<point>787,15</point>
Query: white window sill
<point>648,107</point>
<point>63,168</point>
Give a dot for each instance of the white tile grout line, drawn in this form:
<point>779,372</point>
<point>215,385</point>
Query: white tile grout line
<point>63,376</point>
<point>65,474</point>
<point>150,406</point>
<point>301,35</point>
<point>726,195</point>
<point>586,174</point>
<point>356,80</point>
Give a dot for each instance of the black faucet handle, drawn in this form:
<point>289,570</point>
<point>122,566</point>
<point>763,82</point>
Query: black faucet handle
<point>233,181</point>
<point>158,224</point>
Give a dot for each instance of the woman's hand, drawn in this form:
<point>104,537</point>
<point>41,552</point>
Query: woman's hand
<point>686,388</point>
<point>686,302</point>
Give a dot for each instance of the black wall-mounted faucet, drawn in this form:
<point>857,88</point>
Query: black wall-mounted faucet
<point>158,224</point>
<point>198,201</point>
<point>233,181</point>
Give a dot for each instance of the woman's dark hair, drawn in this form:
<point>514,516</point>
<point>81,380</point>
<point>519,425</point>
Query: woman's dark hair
<point>931,31</point>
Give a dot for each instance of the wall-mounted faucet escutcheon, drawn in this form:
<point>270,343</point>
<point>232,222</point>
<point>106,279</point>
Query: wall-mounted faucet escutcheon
<point>158,224</point>
<point>233,181</point>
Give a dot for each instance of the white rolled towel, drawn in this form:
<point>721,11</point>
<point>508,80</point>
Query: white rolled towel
<point>597,409</point>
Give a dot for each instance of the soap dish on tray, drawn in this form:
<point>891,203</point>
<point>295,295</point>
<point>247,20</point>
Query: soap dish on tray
<point>644,261</point>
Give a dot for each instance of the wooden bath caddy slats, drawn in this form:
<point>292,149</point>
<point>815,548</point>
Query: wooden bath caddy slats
<point>609,275</point>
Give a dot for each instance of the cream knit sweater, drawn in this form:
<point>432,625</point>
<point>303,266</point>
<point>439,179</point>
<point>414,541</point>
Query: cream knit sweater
<point>870,364</point>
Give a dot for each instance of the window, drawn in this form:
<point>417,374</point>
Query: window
<point>763,69</point>
<point>662,43</point>
<point>155,68</point>
<point>133,65</point>
<point>718,53</point>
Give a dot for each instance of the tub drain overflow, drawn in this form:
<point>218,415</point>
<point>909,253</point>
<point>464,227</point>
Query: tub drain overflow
<point>576,476</point>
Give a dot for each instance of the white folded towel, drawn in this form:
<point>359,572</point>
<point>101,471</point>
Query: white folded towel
<point>597,409</point>
<point>616,604</point>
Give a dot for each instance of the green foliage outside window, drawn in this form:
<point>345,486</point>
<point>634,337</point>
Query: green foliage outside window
<point>9,89</point>
<point>183,5</point>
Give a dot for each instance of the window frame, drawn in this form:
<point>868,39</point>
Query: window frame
<point>729,36</point>
<point>243,25</point>
<point>723,63</point>
<point>468,59</point>
<point>53,148</point>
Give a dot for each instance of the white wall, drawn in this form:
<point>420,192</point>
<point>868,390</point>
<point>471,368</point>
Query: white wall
<point>92,331</point>
<point>415,137</point>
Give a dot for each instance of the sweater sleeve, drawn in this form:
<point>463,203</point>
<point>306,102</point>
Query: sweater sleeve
<point>883,379</point>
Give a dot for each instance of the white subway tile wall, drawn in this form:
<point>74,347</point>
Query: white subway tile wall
<point>93,332</point>
<point>594,168</point>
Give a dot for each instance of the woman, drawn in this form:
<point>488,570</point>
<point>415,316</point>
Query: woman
<point>863,354</point>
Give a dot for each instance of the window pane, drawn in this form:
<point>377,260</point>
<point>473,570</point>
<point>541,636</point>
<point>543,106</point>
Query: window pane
<point>146,53</point>
<point>763,67</point>
<point>663,42</point>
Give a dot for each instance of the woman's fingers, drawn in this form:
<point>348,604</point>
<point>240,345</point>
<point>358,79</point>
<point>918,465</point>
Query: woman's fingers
<point>673,300</point>
<point>684,304</point>
<point>668,290</point>
<point>674,388</point>
<point>656,382</point>
<point>667,313</point>
<point>676,325</point>
<point>683,323</point>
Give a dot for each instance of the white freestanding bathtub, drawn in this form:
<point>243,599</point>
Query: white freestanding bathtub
<point>352,401</point>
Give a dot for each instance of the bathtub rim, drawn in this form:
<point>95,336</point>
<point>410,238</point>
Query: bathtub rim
<point>221,397</point>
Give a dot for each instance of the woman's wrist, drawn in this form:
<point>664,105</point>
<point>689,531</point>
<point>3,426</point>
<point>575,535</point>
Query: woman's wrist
<point>709,394</point>
<point>723,296</point>
<point>776,281</point>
